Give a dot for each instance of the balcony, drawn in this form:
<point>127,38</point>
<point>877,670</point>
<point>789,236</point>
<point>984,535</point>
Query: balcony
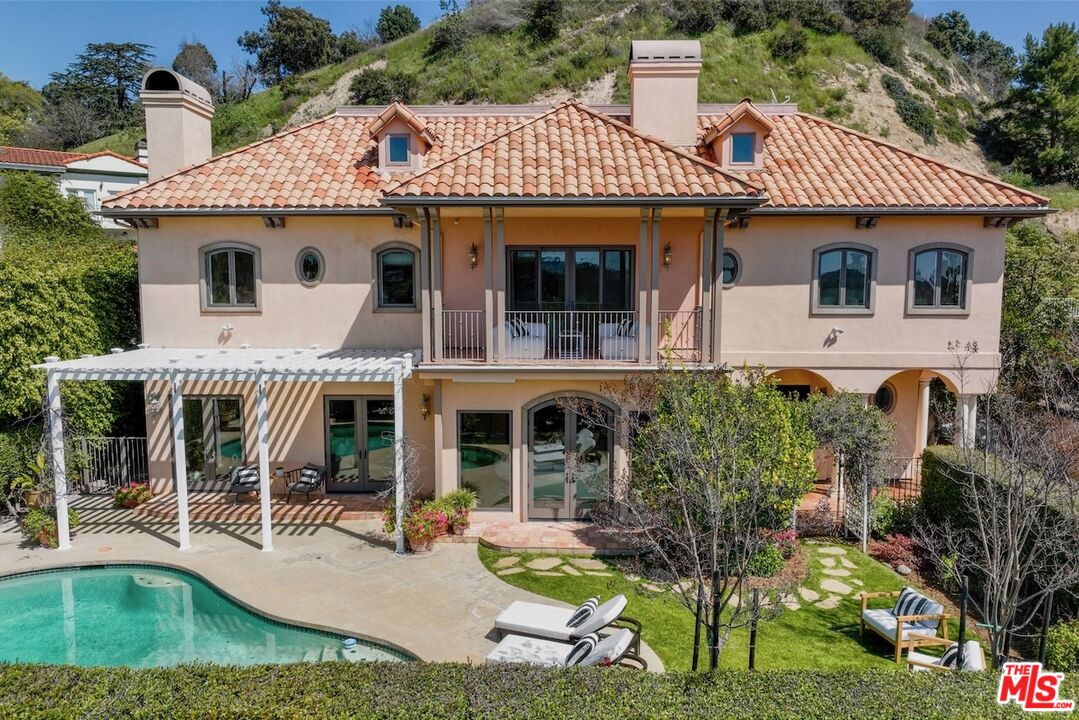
<point>569,336</point>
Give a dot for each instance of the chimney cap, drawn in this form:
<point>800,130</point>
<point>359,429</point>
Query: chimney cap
<point>161,79</point>
<point>665,50</point>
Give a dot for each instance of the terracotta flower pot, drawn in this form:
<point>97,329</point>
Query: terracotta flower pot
<point>33,498</point>
<point>419,544</point>
<point>130,503</point>
<point>47,538</point>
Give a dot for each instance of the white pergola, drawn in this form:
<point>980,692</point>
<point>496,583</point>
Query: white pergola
<point>257,365</point>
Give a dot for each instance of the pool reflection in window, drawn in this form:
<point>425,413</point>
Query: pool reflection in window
<point>483,451</point>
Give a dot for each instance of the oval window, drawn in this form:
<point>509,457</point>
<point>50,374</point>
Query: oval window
<point>310,266</point>
<point>732,267</point>
<point>884,398</point>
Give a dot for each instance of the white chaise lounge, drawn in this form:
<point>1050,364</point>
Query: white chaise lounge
<point>615,649</point>
<point>550,621</point>
<point>973,655</point>
<point>913,613</point>
<point>618,343</point>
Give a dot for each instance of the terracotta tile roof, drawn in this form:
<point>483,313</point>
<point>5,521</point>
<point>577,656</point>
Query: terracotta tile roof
<point>813,163</point>
<point>570,150</point>
<point>573,151</point>
<point>51,158</point>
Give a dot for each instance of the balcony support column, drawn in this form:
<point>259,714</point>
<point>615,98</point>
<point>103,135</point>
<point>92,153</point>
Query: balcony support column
<point>488,288</point>
<point>717,287</point>
<point>643,279</point>
<point>653,306</point>
<point>498,260</point>
<point>424,218</point>
<point>706,285</point>
<point>436,281</point>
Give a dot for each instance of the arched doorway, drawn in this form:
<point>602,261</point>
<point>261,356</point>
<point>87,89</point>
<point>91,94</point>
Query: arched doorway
<point>570,461</point>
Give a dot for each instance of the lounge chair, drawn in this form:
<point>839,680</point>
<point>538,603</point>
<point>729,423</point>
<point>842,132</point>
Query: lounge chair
<point>552,622</point>
<point>311,479</point>
<point>913,613</point>
<point>615,649</point>
<point>973,655</point>
<point>243,479</point>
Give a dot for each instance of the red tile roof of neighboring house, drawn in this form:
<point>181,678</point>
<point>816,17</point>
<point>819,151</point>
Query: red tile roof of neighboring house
<point>52,158</point>
<point>572,151</point>
<point>566,151</point>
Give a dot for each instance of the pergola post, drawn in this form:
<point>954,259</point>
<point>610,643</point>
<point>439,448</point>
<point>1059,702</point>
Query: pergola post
<point>59,465</point>
<point>399,451</point>
<point>179,451</point>
<point>263,420</point>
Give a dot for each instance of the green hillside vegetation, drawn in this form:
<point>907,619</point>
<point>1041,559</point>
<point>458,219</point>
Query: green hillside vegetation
<point>509,66</point>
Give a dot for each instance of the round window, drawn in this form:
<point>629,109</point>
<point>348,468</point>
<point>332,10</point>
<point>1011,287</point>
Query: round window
<point>310,266</point>
<point>732,267</point>
<point>885,398</point>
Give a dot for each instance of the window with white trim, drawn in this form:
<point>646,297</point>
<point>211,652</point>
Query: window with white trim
<point>397,149</point>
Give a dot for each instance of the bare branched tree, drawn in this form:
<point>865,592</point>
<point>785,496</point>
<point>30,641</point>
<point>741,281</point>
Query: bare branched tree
<point>1016,534</point>
<point>717,464</point>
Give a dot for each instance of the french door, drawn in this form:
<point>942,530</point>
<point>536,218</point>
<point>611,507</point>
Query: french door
<point>553,279</point>
<point>213,439</point>
<point>570,462</point>
<point>359,443</point>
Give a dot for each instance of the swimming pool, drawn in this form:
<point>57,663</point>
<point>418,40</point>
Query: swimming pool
<point>151,616</point>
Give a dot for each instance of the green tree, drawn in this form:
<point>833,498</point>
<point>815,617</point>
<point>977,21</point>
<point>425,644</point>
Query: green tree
<point>376,86</point>
<point>105,76</point>
<point>951,33</point>
<point>450,33</point>
<point>195,61</point>
<point>695,17</point>
<point>544,20</point>
<point>1039,121</point>
<point>20,104</point>
<point>396,21</point>
<point>789,42</point>
<point>292,41</point>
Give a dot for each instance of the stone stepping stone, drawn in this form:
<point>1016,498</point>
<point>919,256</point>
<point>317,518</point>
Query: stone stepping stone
<point>511,571</point>
<point>570,570</point>
<point>792,605</point>
<point>857,582</point>
<point>589,563</point>
<point>653,587</point>
<point>834,586</point>
<point>789,601</point>
<point>829,603</point>
<point>809,595</point>
<point>847,563</point>
<point>547,563</point>
<point>827,561</point>
<point>548,573</point>
<point>832,550</point>
<point>837,572</point>
<point>506,562</point>
<point>598,574</point>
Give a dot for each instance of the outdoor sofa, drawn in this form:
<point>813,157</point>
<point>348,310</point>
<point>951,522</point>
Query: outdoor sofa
<point>913,613</point>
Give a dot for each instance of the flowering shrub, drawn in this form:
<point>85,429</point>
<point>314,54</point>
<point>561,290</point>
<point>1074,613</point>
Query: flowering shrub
<point>131,495</point>
<point>419,529</point>
<point>787,542</point>
<point>39,526</point>
<point>894,550</point>
<point>437,516</point>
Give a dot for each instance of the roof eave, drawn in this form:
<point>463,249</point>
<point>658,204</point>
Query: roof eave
<point>636,200</point>
<point>243,211</point>
<point>1011,211</point>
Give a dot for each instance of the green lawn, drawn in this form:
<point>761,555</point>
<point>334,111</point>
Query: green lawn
<point>808,638</point>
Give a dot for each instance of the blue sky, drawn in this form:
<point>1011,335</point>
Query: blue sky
<point>43,36</point>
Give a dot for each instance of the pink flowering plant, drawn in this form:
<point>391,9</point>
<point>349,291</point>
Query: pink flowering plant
<point>787,542</point>
<point>131,495</point>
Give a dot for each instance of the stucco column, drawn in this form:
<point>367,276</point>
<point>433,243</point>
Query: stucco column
<point>499,260</point>
<point>717,287</point>
<point>488,287</point>
<point>705,332</point>
<point>436,283</point>
<point>440,428</point>
<point>643,281</point>
<point>262,415</point>
<point>653,303</point>
<point>425,283</point>
<point>59,462</point>
<point>921,440</point>
<point>968,420</point>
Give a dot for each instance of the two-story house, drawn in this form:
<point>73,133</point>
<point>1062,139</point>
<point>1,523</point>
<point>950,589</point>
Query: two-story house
<point>521,254</point>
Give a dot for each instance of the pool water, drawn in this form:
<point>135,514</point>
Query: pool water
<point>474,456</point>
<point>148,616</point>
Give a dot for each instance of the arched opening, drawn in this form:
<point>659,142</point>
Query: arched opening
<point>163,80</point>
<point>801,383</point>
<point>571,455</point>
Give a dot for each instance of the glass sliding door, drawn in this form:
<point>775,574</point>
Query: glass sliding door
<point>359,443</point>
<point>570,462</point>
<point>213,439</point>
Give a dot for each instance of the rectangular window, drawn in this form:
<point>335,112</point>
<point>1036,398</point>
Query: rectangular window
<point>231,278</point>
<point>398,149</point>
<point>483,452</point>
<point>940,279</point>
<point>742,150</point>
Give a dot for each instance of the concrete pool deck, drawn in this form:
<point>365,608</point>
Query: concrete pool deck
<point>343,576</point>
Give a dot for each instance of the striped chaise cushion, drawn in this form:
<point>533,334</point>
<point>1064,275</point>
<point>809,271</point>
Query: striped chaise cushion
<point>950,656</point>
<point>582,649</point>
<point>583,612</point>
<point>912,602</point>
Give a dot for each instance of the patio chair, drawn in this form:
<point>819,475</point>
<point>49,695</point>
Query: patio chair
<point>553,622</point>
<point>912,614</point>
<point>973,655</point>
<point>615,649</point>
<point>243,479</point>
<point>311,479</point>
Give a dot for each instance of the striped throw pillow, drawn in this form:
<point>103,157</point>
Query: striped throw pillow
<point>516,328</point>
<point>908,602</point>
<point>582,649</point>
<point>583,612</point>
<point>950,656</point>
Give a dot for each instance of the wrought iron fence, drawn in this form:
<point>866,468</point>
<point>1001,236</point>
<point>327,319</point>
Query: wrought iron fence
<point>464,335</point>
<point>572,335</point>
<point>680,332</point>
<point>901,482</point>
<point>106,463</point>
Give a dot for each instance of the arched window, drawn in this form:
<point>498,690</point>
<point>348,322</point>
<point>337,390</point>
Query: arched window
<point>230,277</point>
<point>938,278</point>
<point>843,279</point>
<point>396,268</point>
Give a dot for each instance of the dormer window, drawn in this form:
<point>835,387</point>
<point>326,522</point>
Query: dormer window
<point>397,149</point>
<point>742,148</point>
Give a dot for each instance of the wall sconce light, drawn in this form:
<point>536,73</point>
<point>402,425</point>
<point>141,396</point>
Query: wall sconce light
<point>667,255</point>
<point>425,406</point>
<point>154,403</point>
<point>473,257</point>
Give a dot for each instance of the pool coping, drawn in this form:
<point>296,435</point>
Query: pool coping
<point>406,654</point>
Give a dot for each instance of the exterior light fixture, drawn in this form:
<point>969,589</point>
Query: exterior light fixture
<point>425,406</point>
<point>667,255</point>
<point>154,403</point>
<point>473,257</point>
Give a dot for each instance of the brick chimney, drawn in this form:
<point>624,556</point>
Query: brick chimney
<point>178,113</point>
<point>663,88</point>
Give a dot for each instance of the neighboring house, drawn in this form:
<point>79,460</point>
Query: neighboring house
<point>526,253</point>
<point>91,177</point>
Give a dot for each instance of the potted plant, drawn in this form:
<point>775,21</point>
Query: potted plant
<point>39,526</point>
<point>459,503</point>
<point>131,495</point>
<point>30,484</point>
<point>420,533</point>
<point>435,514</point>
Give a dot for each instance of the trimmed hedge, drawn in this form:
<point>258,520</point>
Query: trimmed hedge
<point>422,690</point>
